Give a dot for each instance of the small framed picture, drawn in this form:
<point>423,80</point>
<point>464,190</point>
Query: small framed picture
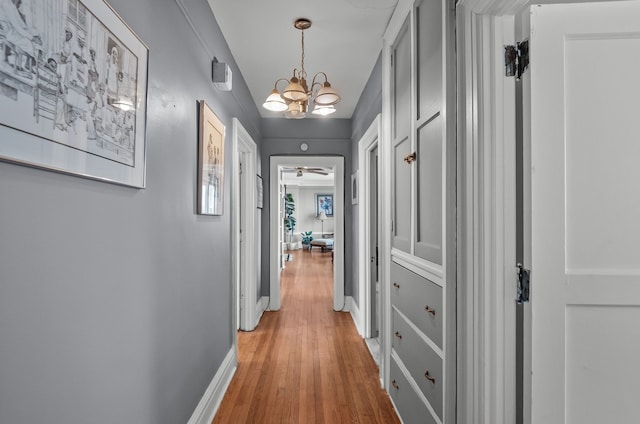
<point>354,188</point>
<point>210,162</point>
<point>324,203</point>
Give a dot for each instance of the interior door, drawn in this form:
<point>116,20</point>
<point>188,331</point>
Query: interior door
<point>242,284</point>
<point>585,217</point>
<point>373,240</point>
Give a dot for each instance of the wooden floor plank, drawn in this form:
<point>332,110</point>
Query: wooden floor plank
<point>305,363</point>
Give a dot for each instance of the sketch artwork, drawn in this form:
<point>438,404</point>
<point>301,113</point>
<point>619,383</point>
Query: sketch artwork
<point>67,79</point>
<point>211,162</point>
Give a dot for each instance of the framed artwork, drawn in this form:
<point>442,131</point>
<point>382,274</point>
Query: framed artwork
<point>210,162</point>
<point>324,203</point>
<point>259,191</point>
<point>354,188</point>
<point>74,90</point>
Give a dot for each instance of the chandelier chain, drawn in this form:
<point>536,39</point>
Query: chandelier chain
<point>302,64</point>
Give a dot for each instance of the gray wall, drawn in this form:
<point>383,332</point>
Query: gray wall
<point>115,303</point>
<point>368,107</point>
<point>325,137</point>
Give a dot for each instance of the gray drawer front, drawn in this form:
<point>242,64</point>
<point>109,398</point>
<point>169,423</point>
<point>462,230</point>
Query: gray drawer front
<point>408,404</point>
<point>411,294</point>
<point>419,359</point>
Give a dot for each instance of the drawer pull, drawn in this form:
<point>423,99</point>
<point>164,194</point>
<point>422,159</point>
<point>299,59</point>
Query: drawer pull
<point>430,311</point>
<point>395,385</point>
<point>398,335</point>
<point>410,158</point>
<point>428,377</point>
<point>396,285</point>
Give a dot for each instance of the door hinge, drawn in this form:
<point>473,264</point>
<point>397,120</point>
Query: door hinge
<point>516,59</point>
<point>524,280</point>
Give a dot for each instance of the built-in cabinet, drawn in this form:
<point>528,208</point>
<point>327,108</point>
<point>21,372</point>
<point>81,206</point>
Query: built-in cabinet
<point>419,98</point>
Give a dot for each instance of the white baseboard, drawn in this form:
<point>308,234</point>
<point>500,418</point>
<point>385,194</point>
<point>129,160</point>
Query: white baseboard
<point>261,306</point>
<point>210,402</point>
<point>348,302</point>
<point>355,315</point>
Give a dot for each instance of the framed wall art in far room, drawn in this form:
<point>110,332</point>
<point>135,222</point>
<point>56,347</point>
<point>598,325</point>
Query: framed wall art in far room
<point>324,203</point>
<point>74,90</point>
<point>210,162</point>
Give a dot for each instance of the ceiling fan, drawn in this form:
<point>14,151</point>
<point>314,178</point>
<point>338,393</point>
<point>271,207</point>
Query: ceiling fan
<point>300,170</point>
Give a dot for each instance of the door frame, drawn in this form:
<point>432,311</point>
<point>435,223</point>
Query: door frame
<point>487,214</point>
<point>366,145</point>
<point>337,162</point>
<point>245,289</point>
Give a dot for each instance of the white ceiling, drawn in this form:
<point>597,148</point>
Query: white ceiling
<point>344,41</point>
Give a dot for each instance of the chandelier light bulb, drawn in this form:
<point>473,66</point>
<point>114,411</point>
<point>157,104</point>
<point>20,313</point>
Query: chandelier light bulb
<point>326,96</point>
<point>296,110</point>
<point>274,102</point>
<point>323,110</point>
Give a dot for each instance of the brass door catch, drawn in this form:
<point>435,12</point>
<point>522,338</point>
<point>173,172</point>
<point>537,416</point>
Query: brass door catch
<point>428,377</point>
<point>410,158</point>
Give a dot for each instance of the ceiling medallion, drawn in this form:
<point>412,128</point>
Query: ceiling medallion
<point>294,100</point>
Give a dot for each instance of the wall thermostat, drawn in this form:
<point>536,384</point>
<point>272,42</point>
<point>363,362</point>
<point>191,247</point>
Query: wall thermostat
<point>221,75</point>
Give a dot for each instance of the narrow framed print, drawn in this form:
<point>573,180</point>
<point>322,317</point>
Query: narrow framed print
<point>324,203</point>
<point>210,162</point>
<point>74,90</point>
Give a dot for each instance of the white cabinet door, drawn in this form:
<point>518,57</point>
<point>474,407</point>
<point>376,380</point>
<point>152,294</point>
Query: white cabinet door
<point>585,197</point>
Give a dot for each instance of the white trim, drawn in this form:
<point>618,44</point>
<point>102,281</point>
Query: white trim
<point>261,306</point>
<point>428,270</point>
<point>356,315</point>
<point>366,145</point>
<point>486,153</point>
<point>337,162</point>
<point>245,289</point>
<point>210,402</point>
<point>348,304</point>
<point>384,177</point>
<point>401,12</point>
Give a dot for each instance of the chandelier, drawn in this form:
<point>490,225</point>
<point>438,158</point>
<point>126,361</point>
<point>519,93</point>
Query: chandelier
<point>294,100</point>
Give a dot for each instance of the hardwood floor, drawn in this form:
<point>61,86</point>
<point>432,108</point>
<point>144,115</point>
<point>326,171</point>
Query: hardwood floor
<point>305,363</point>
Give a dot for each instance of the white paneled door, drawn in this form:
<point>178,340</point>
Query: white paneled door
<point>585,197</point>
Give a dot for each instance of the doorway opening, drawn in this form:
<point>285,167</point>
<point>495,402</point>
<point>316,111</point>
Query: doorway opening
<point>279,175</point>
<point>368,237</point>
<point>244,230</point>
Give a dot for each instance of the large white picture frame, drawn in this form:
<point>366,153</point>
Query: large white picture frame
<point>73,90</point>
